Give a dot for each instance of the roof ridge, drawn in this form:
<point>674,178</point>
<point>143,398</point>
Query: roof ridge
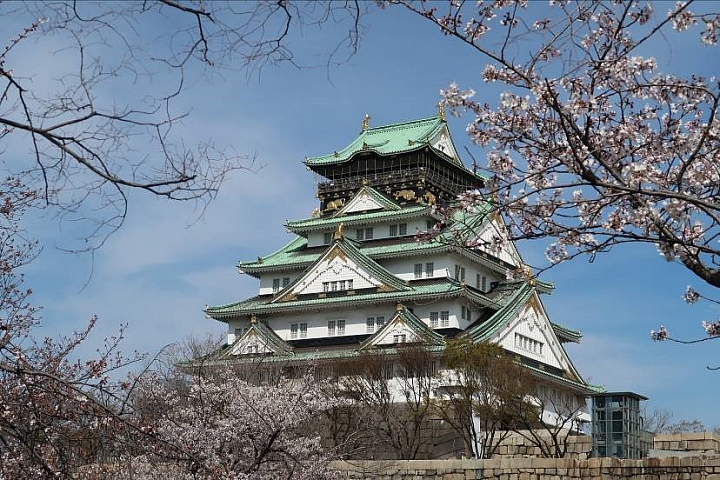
<point>400,124</point>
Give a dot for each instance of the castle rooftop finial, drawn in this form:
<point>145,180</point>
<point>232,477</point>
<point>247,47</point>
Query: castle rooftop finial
<point>441,111</point>
<point>339,231</point>
<point>366,122</point>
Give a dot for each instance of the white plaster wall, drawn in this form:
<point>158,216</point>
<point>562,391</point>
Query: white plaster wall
<point>266,281</point>
<point>355,318</point>
<point>316,239</point>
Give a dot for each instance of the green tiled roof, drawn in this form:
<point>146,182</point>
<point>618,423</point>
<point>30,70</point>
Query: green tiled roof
<point>261,304</point>
<point>566,333</point>
<point>308,356</point>
<point>387,140</point>
<point>309,224</point>
<point>513,296</point>
<point>295,255</point>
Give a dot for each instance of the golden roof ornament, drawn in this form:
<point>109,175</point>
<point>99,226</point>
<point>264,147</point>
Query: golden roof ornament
<point>339,231</point>
<point>253,319</point>
<point>441,111</point>
<point>399,307</point>
<point>365,122</point>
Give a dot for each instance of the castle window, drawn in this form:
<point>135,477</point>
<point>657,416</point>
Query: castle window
<point>528,344</point>
<point>418,270</point>
<point>429,269</point>
<point>294,330</point>
<point>400,338</point>
<point>331,328</point>
<point>463,312</point>
<point>374,322</point>
<point>337,285</point>
<point>399,229</point>
<point>444,319</point>
<point>341,327</point>
<point>364,233</point>
<point>276,285</point>
<point>327,238</point>
<point>239,332</point>
<point>285,282</point>
<point>434,319</point>
<point>303,330</point>
<point>459,273</point>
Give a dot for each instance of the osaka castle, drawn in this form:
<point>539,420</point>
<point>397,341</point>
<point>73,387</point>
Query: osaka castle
<point>356,278</point>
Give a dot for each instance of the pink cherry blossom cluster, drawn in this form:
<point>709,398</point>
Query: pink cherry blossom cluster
<point>590,144</point>
<point>220,426</point>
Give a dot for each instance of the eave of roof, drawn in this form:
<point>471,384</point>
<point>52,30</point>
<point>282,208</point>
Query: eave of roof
<point>567,334</point>
<point>314,224</point>
<point>436,289</point>
<point>295,255</point>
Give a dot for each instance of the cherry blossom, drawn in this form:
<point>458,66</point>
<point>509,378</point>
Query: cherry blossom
<point>217,425</point>
<point>590,144</point>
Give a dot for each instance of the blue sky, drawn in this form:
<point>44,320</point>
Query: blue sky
<point>159,271</point>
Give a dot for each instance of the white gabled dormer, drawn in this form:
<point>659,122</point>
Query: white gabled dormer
<point>403,328</point>
<point>342,268</point>
<point>258,340</point>
<point>443,143</point>
<point>367,199</point>
<point>532,335</point>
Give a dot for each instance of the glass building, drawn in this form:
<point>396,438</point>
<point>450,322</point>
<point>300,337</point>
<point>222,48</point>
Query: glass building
<point>617,427</point>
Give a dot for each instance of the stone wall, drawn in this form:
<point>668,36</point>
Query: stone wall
<point>689,468</point>
<point>518,446</point>
<point>686,444</point>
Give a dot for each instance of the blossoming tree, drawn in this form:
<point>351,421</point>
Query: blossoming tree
<point>218,425</point>
<point>591,145</point>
